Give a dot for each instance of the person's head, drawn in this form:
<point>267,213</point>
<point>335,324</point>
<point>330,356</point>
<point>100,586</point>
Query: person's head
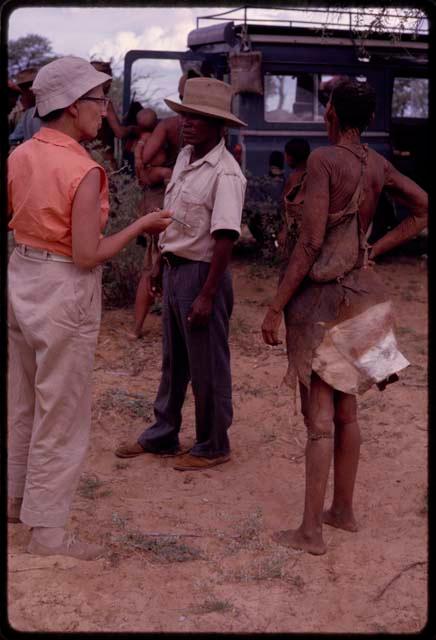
<point>237,152</point>
<point>200,130</point>
<point>146,119</point>
<point>104,67</point>
<point>69,96</point>
<point>24,81</point>
<point>187,75</point>
<point>351,107</point>
<point>327,86</point>
<point>275,162</point>
<point>133,110</point>
<point>205,109</point>
<point>297,151</point>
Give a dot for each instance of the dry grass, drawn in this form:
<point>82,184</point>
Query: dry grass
<point>248,535</point>
<point>163,549</point>
<point>213,605</point>
<point>121,465</point>
<point>91,487</point>
<point>119,521</point>
<point>135,405</point>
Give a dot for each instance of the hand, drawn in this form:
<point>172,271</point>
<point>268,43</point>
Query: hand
<point>156,221</point>
<point>281,238</point>
<point>148,289</point>
<point>370,257</point>
<point>270,327</point>
<point>200,312</point>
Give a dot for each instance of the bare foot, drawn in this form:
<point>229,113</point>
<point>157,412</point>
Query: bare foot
<point>340,520</point>
<point>297,540</point>
<point>135,335</point>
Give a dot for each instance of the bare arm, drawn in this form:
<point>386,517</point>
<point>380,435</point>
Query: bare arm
<point>408,193</point>
<point>155,143</point>
<point>202,307</point>
<point>89,249</point>
<point>313,227</point>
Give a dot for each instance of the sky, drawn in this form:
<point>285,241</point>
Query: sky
<point>108,33</point>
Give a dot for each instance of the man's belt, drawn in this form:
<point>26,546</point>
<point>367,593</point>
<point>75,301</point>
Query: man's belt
<point>174,261</point>
<point>154,187</point>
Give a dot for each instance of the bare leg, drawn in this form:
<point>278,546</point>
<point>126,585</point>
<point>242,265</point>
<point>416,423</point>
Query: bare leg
<point>346,460</point>
<point>318,411</point>
<point>143,301</point>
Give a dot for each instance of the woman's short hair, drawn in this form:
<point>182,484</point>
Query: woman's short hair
<point>104,67</point>
<point>354,103</point>
<point>50,117</point>
<point>298,148</point>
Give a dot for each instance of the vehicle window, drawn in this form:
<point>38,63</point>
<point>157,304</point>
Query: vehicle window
<point>410,98</point>
<point>298,98</point>
<point>154,79</point>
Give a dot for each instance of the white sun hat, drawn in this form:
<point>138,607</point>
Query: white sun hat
<point>60,83</point>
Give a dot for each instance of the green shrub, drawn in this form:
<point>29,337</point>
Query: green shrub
<point>122,272</point>
<point>263,213</point>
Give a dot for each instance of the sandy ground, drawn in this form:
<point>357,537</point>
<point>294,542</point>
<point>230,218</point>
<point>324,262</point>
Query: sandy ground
<point>192,551</point>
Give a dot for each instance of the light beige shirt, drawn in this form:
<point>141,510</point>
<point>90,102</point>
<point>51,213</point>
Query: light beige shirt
<point>208,195</point>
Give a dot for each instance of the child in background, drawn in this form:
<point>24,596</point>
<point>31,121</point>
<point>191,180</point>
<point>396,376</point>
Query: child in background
<point>154,173</point>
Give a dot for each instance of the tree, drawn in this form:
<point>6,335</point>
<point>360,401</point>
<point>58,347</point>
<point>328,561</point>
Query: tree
<point>29,51</point>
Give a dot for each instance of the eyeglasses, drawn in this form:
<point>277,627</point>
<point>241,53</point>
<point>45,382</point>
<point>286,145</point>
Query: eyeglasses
<point>103,101</point>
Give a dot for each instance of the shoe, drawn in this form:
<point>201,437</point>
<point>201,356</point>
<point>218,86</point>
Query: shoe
<point>14,508</point>
<point>192,463</point>
<point>72,548</point>
<point>135,449</point>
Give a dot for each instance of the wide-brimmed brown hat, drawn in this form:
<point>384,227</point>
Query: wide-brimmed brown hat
<point>26,76</point>
<point>208,97</point>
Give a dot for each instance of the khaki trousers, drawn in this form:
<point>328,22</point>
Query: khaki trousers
<point>54,311</point>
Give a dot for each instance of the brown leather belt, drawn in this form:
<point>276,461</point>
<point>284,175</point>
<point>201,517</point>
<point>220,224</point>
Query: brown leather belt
<point>174,261</point>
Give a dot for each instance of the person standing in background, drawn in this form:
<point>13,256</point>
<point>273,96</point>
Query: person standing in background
<point>26,121</point>
<point>297,151</point>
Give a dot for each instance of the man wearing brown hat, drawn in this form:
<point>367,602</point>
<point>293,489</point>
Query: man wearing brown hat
<point>205,195</point>
<point>27,122</point>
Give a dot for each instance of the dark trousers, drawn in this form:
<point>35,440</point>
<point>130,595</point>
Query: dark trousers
<point>200,355</point>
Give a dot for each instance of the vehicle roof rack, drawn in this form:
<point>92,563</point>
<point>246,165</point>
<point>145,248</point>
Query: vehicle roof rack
<point>385,20</point>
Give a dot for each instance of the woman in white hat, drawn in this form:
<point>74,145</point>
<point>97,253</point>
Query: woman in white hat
<point>58,200</point>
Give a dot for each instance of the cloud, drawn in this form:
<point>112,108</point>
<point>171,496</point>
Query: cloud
<point>156,38</point>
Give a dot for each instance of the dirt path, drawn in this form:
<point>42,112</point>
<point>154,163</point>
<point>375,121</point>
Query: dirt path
<point>192,551</point>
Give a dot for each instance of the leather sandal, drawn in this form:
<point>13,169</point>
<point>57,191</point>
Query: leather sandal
<point>194,463</point>
<point>135,449</point>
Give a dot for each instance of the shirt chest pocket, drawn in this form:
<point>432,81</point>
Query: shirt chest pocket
<point>194,210</point>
